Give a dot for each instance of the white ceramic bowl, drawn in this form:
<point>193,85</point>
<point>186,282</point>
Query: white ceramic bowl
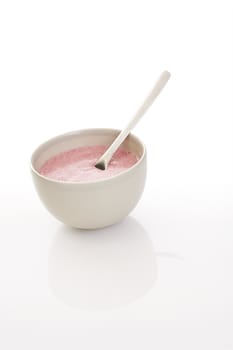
<point>90,205</point>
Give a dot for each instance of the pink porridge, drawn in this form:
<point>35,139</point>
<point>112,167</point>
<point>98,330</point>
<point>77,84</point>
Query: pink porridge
<point>78,165</point>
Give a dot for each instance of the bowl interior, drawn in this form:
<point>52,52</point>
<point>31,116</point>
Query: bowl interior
<point>86,137</point>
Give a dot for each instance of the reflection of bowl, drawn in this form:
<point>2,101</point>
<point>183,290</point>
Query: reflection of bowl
<point>95,204</point>
<point>102,269</point>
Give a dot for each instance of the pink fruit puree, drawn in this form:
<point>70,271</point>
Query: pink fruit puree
<point>78,165</point>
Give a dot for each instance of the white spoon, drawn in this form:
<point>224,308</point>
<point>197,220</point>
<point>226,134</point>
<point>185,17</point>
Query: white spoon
<point>103,161</point>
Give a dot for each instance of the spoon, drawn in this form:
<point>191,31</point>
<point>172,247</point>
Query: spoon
<point>103,161</point>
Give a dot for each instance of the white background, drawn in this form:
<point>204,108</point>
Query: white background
<point>161,279</point>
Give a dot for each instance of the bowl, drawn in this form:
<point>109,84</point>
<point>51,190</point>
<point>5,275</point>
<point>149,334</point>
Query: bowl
<point>96,204</point>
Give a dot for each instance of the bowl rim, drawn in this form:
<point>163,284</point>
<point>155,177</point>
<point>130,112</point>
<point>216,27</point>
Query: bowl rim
<point>87,131</point>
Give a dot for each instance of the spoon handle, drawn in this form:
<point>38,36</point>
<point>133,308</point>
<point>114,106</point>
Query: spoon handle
<point>161,82</point>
